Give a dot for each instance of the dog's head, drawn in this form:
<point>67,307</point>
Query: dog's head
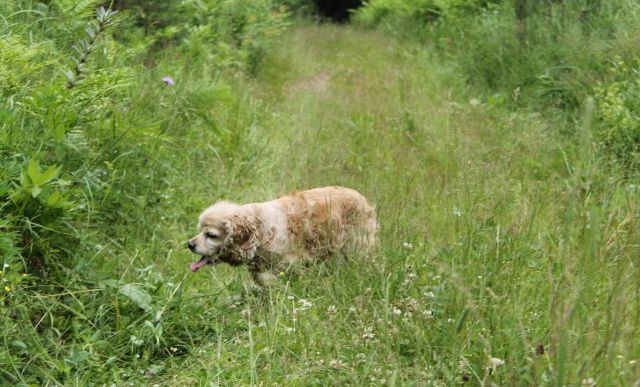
<point>225,236</point>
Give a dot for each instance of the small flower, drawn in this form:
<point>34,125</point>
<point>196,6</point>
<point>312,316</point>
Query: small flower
<point>588,382</point>
<point>7,289</point>
<point>428,313</point>
<point>290,298</point>
<point>168,81</point>
<point>290,329</point>
<point>368,334</point>
<point>456,211</point>
<point>451,321</point>
<point>407,245</point>
<point>495,362</point>
<point>332,309</point>
<point>430,294</point>
<point>412,304</point>
<point>396,311</point>
<point>336,364</point>
<point>352,309</point>
<point>173,349</point>
<point>304,304</point>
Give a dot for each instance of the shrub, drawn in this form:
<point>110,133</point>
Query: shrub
<point>619,111</point>
<point>554,54</point>
<point>88,139</point>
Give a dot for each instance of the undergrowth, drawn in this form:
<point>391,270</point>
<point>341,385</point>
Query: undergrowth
<point>508,215</point>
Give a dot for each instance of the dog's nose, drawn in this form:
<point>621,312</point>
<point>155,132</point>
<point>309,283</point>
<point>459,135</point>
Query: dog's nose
<point>192,245</point>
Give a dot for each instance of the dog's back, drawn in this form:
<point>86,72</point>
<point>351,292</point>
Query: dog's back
<point>338,218</point>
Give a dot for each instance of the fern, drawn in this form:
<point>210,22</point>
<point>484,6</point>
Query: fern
<point>104,18</point>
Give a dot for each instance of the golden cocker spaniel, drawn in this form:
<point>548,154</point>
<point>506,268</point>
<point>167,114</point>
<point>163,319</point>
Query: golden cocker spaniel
<point>295,229</point>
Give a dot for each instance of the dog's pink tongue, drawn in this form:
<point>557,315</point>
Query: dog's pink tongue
<point>197,265</point>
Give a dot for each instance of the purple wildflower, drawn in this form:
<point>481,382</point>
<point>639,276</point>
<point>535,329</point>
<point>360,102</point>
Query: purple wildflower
<point>169,81</point>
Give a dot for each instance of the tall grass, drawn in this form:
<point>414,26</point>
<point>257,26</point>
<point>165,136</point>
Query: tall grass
<point>507,254</point>
<point>553,55</point>
<point>93,142</point>
<point>508,249</point>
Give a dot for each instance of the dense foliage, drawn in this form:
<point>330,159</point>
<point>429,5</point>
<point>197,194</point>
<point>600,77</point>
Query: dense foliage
<point>551,54</point>
<point>92,119</point>
<point>498,139</point>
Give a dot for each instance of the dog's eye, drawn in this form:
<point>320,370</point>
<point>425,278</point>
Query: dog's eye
<point>211,235</point>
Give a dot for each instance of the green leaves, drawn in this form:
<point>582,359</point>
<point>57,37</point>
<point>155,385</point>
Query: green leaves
<point>41,185</point>
<point>33,180</point>
<point>39,178</point>
<point>137,294</point>
<point>134,292</point>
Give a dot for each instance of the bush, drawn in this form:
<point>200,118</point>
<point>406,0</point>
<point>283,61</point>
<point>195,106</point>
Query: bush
<point>554,55</point>
<point>89,134</point>
<point>619,112</point>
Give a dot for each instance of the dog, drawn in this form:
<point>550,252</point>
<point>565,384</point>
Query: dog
<point>286,233</point>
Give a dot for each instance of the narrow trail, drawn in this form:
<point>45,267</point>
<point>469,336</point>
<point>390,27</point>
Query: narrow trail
<point>358,108</point>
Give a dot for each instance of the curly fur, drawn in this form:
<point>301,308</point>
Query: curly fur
<point>293,230</point>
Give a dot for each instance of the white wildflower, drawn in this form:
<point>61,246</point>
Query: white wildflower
<point>588,382</point>
<point>428,313</point>
<point>304,304</point>
<point>495,362</point>
<point>456,211</point>
<point>412,304</point>
<point>396,311</point>
<point>336,364</point>
<point>352,309</point>
<point>368,334</point>
<point>332,309</point>
<point>407,245</point>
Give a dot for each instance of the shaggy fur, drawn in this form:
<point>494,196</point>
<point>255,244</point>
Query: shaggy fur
<point>293,230</point>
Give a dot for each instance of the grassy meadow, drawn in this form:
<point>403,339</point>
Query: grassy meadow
<point>509,250</point>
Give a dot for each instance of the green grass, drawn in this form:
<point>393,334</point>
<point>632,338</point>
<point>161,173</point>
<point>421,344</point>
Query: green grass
<point>500,237</point>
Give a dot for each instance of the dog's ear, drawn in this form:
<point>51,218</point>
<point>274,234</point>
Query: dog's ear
<point>242,237</point>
